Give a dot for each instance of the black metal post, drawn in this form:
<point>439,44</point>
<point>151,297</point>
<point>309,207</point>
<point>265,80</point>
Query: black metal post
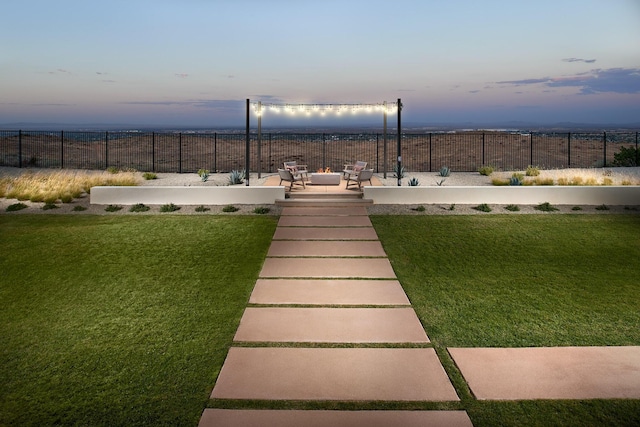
<point>247,149</point>
<point>531,149</point>
<point>430,153</point>
<point>259,139</point>
<point>482,148</point>
<point>20,148</point>
<point>399,141</point>
<point>384,129</point>
<point>637,153</point>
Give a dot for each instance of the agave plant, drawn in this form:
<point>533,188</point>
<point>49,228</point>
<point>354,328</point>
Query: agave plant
<point>399,174</point>
<point>514,180</point>
<point>204,174</point>
<point>445,171</point>
<point>236,177</point>
<point>413,182</point>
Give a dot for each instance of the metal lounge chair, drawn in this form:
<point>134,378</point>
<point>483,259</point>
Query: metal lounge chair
<point>287,176</point>
<point>297,169</point>
<point>362,176</point>
<point>353,170</point>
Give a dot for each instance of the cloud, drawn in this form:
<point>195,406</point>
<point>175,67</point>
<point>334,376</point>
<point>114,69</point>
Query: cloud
<point>199,103</point>
<point>108,81</point>
<point>181,75</point>
<point>612,80</point>
<point>60,71</point>
<point>587,61</point>
<point>474,91</point>
<point>100,73</point>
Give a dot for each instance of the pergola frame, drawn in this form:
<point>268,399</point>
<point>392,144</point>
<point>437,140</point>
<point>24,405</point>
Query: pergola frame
<point>308,109</point>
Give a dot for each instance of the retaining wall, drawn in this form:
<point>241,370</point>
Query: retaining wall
<point>151,195</point>
<point>523,195</point>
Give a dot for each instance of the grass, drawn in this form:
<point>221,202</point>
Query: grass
<point>520,281</point>
<point>120,321</point>
<point>53,186</point>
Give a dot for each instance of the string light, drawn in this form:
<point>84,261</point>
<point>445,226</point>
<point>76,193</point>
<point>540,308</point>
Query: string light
<point>308,109</point>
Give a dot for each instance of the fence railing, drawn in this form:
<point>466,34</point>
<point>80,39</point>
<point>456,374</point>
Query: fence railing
<point>223,152</point>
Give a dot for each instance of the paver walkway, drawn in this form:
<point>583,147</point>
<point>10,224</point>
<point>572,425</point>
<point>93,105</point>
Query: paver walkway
<point>329,321</point>
<point>326,282</point>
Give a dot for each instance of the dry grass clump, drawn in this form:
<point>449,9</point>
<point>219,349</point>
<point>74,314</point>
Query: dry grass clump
<point>64,186</point>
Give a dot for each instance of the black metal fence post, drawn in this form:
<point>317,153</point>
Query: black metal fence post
<point>637,153</point>
<point>324,152</point>
<point>430,152</point>
<point>482,148</point>
<point>215,152</point>
<point>61,149</point>
<point>531,149</point>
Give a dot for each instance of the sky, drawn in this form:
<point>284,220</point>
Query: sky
<point>194,63</point>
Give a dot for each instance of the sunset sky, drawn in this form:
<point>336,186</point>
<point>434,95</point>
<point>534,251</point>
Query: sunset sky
<point>194,62</point>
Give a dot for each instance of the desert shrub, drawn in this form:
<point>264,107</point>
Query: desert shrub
<point>532,171</point>
<point>627,156</point>
<point>515,180</point>
<point>16,207</point>
<point>113,208</point>
<point>452,207</point>
<point>47,206</point>
<point>576,208</point>
<point>149,176</point>
<point>602,207</point>
<point>79,208</point>
<point>236,177</point>
<point>512,208</point>
<point>170,207</point>
<point>203,174</point>
<point>201,208</point>
<point>542,181</point>
<point>261,210</point>
<point>486,170</point>
<point>419,208</point>
<point>546,207</point>
<point>113,169</point>
<point>140,207</point>
<point>483,208</point>
<point>230,208</point>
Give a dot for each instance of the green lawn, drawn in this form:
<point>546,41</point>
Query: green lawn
<point>120,320</point>
<point>126,320</point>
<point>518,281</point>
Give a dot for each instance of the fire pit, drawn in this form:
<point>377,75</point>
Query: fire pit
<point>325,177</point>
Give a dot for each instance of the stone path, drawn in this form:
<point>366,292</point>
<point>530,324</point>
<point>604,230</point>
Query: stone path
<point>329,321</point>
<point>326,282</point>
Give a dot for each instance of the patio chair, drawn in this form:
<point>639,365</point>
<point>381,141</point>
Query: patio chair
<point>287,176</point>
<point>297,169</point>
<point>353,170</point>
<point>362,176</point>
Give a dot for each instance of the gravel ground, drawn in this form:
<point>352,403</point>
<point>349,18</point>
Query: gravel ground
<point>426,179</point>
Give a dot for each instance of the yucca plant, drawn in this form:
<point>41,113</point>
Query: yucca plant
<point>399,173</point>
<point>444,171</point>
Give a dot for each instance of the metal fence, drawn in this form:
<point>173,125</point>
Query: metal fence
<point>223,152</point>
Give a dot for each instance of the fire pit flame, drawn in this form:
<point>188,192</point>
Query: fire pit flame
<point>327,170</point>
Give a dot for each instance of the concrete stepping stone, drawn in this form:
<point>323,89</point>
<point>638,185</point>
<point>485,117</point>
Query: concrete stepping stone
<point>296,418</point>
<point>331,211</point>
<point>551,372</point>
<point>324,221</point>
<point>327,233</point>
<point>328,292</point>
<point>277,373</point>
<point>321,248</point>
<point>330,325</point>
<point>368,268</point>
